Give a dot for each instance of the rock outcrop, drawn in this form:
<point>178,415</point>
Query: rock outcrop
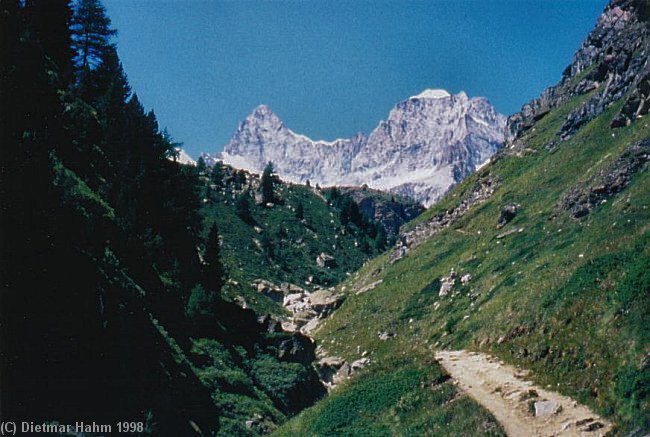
<point>482,190</point>
<point>611,61</point>
<point>305,308</point>
<point>508,212</point>
<point>579,201</point>
<point>391,210</point>
<point>334,370</point>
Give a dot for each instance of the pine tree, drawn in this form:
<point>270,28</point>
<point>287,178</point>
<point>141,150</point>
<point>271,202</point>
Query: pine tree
<point>217,174</point>
<point>214,267</point>
<point>300,211</point>
<point>110,86</point>
<point>239,178</point>
<point>380,238</point>
<point>243,208</point>
<point>91,33</point>
<point>334,196</point>
<point>200,165</point>
<point>61,289</point>
<point>267,183</point>
<point>199,304</point>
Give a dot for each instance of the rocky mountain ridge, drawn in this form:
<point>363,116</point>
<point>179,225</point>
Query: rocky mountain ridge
<point>614,54</point>
<point>428,143</point>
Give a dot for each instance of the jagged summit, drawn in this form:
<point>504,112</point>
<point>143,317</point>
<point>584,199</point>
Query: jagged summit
<point>262,116</point>
<point>428,143</point>
<point>432,94</point>
<point>262,110</point>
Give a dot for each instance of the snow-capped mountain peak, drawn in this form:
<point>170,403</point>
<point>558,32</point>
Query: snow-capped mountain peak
<point>428,143</point>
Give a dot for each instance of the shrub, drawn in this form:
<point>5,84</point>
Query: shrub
<point>200,303</point>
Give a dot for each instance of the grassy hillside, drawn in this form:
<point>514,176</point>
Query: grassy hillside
<point>566,297</point>
<point>399,397</point>
<point>280,242</point>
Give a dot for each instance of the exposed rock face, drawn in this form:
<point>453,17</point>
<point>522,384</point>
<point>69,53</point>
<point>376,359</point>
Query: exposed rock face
<point>447,283</point>
<point>334,370</point>
<point>482,190</point>
<point>579,201</point>
<point>369,287</point>
<point>386,335</point>
<point>392,211</point>
<point>269,290</point>
<point>263,137</point>
<point>636,105</point>
<point>428,143</point>
<point>612,60</point>
<point>275,292</point>
<point>325,261</point>
<point>298,348</point>
<point>508,212</point>
<point>307,309</point>
<point>446,286</point>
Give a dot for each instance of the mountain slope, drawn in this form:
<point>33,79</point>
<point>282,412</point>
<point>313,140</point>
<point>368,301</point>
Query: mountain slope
<point>541,257</point>
<point>281,242</point>
<point>428,143</point>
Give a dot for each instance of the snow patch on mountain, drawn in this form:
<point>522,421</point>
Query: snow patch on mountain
<point>432,94</point>
<point>182,157</point>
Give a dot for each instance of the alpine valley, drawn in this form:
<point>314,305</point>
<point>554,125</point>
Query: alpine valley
<point>221,297</point>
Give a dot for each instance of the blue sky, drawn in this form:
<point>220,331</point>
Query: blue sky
<point>330,69</point>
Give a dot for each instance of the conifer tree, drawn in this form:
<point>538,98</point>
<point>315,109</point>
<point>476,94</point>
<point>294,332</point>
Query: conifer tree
<point>243,208</point>
<point>239,178</point>
<point>267,183</point>
<point>111,87</point>
<point>334,196</point>
<point>199,304</point>
<point>380,238</point>
<point>91,33</point>
<point>300,211</point>
<point>217,174</point>
<point>200,165</point>
<point>214,267</point>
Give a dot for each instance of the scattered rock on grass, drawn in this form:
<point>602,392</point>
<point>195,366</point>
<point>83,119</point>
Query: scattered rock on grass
<point>508,212</point>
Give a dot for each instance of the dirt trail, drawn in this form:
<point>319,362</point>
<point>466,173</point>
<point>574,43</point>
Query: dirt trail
<point>521,408</point>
